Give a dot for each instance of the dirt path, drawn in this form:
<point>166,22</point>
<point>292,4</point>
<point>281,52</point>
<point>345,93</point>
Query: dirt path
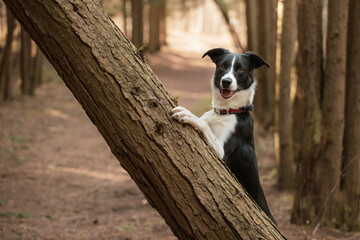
<point>59,180</point>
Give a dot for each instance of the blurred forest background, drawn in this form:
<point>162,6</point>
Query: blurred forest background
<point>58,179</point>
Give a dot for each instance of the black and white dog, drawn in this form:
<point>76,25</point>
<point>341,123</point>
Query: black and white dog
<point>228,128</point>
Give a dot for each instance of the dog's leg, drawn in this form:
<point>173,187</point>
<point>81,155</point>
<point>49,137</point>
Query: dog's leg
<point>185,116</point>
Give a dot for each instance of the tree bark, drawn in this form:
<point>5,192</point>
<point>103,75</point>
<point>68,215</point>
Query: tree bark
<point>172,165</point>
<point>265,98</point>
<point>234,36</point>
<point>137,22</point>
<point>329,164</point>
<point>154,39</point>
<point>124,15</point>
<point>6,80</point>
<point>36,70</point>
<point>25,64</point>
<point>252,25</point>
<point>307,118</point>
<point>351,161</point>
<point>285,161</point>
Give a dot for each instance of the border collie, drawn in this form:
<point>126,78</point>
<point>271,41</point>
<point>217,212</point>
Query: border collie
<point>228,128</point>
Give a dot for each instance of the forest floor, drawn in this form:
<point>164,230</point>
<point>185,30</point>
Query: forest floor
<point>59,180</point>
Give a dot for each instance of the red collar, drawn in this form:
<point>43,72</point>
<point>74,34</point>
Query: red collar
<point>226,111</point>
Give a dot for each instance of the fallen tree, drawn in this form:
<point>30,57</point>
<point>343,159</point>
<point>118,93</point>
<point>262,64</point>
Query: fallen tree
<point>178,173</point>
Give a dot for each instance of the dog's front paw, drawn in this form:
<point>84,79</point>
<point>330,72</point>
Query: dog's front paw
<point>185,116</point>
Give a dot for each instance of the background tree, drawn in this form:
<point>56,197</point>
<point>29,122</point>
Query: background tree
<point>120,95</point>
<point>285,156</point>
<point>351,160</point>
<point>252,25</point>
<point>319,196</point>
<point>137,8</point>
<point>27,87</point>
<point>6,79</point>
<point>307,116</point>
<point>264,101</point>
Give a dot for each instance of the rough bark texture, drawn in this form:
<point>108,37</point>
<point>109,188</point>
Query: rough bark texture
<point>351,162</point>
<point>285,161</point>
<point>328,167</point>
<point>251,22</point>
<point>175,169</point>
<point>307,125</point>
<point>6,80</point>
<point>234,36</point>
<point>25,64</point>
<point>137,22</point>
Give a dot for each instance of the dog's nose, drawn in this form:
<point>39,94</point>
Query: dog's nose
<point>226,82</point>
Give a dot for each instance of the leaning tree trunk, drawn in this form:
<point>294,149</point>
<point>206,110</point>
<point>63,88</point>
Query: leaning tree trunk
<point>351,162</point>
<point>285,155</point>
<point>172,165</point>
<point>307,116</point>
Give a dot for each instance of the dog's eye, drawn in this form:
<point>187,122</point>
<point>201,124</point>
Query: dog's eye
<point>240,70</point>
<point>222,67</point>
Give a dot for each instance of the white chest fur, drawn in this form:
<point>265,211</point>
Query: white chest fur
<point>222,126</point>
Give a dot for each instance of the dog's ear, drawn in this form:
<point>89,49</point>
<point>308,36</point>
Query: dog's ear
<point>255,60</point>
<point>216,53</point>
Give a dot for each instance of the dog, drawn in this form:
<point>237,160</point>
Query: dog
<point>228,128</point>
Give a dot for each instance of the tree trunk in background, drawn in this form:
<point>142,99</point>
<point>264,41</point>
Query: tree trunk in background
<point>154,39</point>
<point>6,80</point>
<point>285,155</point>
<point>252,25</point>
<point>351,162</point>
<point>163,23</point>
<point>25,64</point>
<point>124,13</point>
<point>197,195</point>
<point>307,115</point>
<point>137,22</point>
<point>265,94</point>
<point>328,166</point>
<point>36,70</point>
<point>234,36</point>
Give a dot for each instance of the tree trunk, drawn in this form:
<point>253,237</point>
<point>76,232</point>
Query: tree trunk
<point>6,80</point>
<point>329,164</point>
<point>252,25</point>
<point>265,94</point>
<point>124,13</point>
<point>307,117</point>
<point>351,162</point>
<point>25,64</point>
<point>234,36</point>
<point>285,161</point>
<point>154,39</point>
<point>36,70</point>
<point>137,22</point>
<point>197,195</point>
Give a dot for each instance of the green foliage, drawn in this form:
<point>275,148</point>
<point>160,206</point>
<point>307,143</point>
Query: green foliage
<point>2,201</point>
<point>17,215</point>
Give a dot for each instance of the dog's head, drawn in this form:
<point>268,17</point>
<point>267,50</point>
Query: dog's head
<point>233,81</point>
